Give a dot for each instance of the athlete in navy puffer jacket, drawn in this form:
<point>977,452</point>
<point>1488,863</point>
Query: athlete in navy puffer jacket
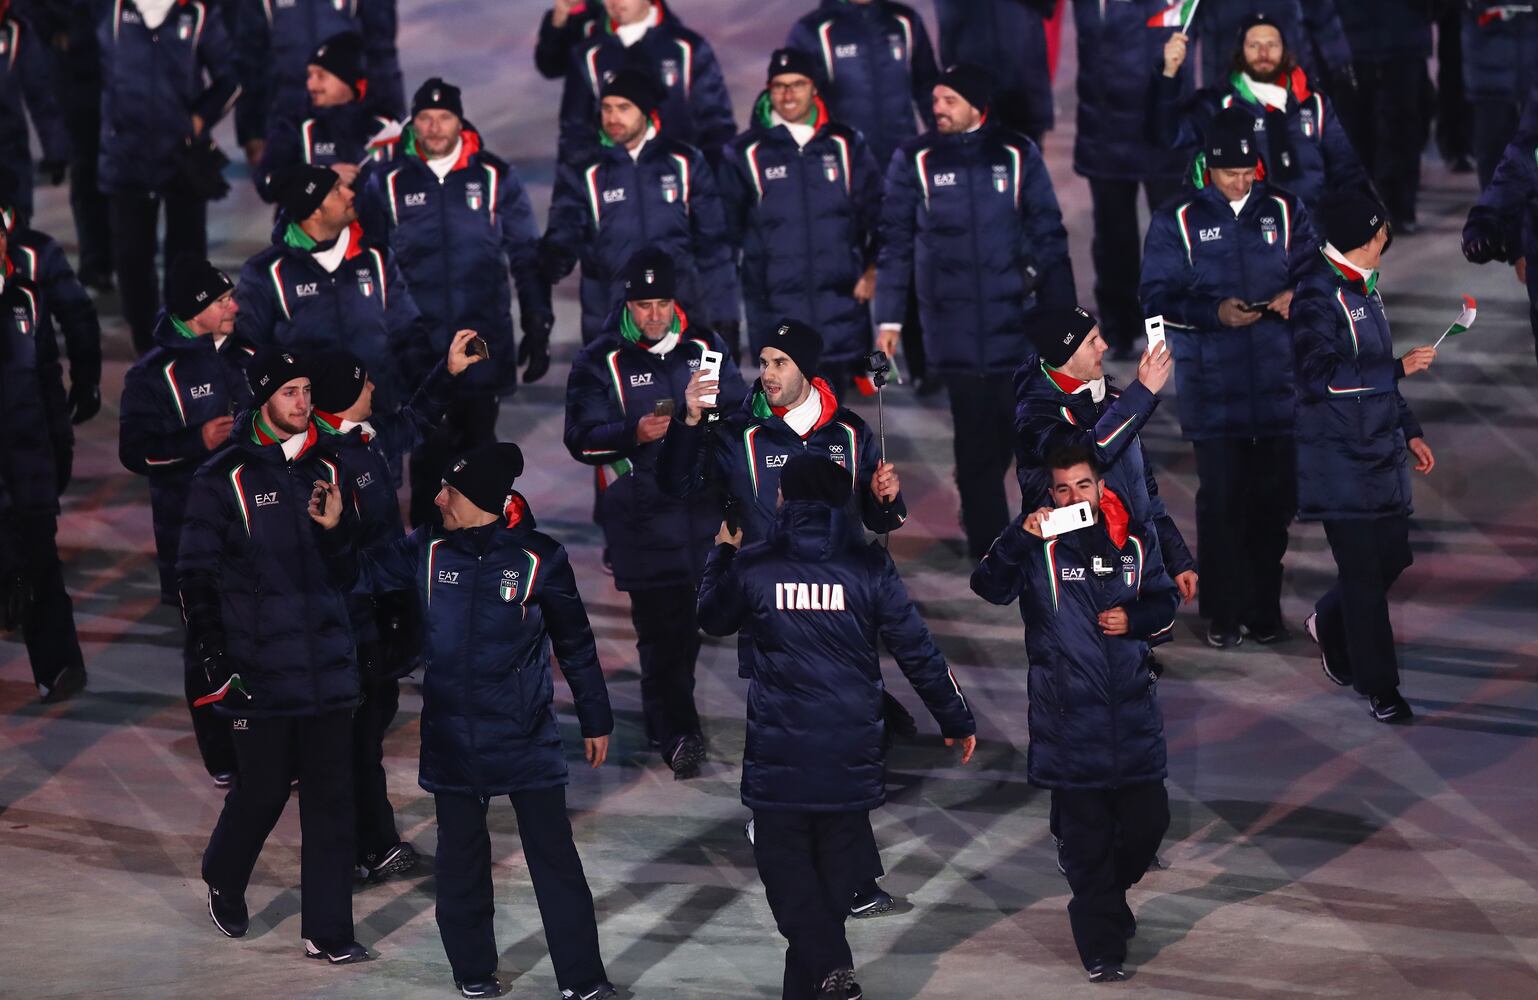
<point>323,136</point>
<point>815,730</point>
<point>654,539</point>
<point>1094,714</point>
<point>1352,422</point>
<point>274,40</point>
<point>1232,382</point>
<point>610,207</point>
<point>496,599</point>
<point>805,219</point>
<point>878,65</point>
<point>963,215</point>
<point>262,583</point>
<point>1010,38</point>
<point>1312,29</point>
<point>153,83</point>
<point>696,110</point>
<point>456,241</point>
<point>26,71</point>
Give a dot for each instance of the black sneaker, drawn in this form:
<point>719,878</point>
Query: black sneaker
<point>870,900</point>
<point>396,861</point>
<point>69,682</point>
<point>597,991</point>
<point>686,756</point>
<point>224,779</point>
<point>1268,634</point>
<point>491,986</point>
<point>228,910</point>
<point>1106,972</point>
<point>1057,846</point>
<point>1337,677</point>
<point>836,985</point>
<point>1390,708</point>
<point>340,954</point>
<point>1223,638</point>
<point>854,993</point>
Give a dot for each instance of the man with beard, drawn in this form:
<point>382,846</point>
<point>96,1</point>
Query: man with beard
<point>1302,146</point>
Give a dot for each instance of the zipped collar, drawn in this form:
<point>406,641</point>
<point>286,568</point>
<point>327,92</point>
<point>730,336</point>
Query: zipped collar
<point>763,113</point>
<point>632,333</point>
<point>293,236</point>
<point>1349,272</point>
<point>469,145</point>
<point>262,435</point>
<point>760,408</point>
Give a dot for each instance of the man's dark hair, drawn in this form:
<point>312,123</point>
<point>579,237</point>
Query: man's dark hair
<point>1069,455</point>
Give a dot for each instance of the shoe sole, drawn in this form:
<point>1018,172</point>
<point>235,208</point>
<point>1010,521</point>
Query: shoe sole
<point>222,929</point>
<point>1224,645</point>
<point>476,996</point>
<point>1395,718</point>
<point>1311,627</point>
<point>397,864</point>
<point>348,959</point>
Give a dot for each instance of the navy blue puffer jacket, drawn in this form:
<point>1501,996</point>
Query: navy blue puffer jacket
<point>1500,50</point>
<point>1117,52</point>
<point>1303,147</point>
<point>813,607</point>
<point>696,111</point>
<point>1232,381</point>
<point>38,434</point>
<point>40,261</point>
<point>1094,714</point>
<point>175,388</point>
<point>608,208</point>
<point>322,137</point>
<point>878,68</point>
<point>962,216</point>
<point>653,539</point>
<point>288,299</point>
<point>1048,418</point>
<point>1352,421</point>
<point>275,39</point>
<point>263,582</point>
<point>457,241</point>
<point>1312,30</point>
<point>1380,29</point>
<point>805,220</point>
<point>26,73</point>
<point>153,82</point>
<point>496,600</point>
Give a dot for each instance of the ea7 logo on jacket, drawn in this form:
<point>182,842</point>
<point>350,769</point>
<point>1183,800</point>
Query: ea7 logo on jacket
<point>201,391</point>
<point>809,596</point>
<point>365,481</point>
<point>1359,314</point>
<point>1208,235</point>
<point>448,576</point>
<point>1072,573</point>
<point>266,499</point>
<point>845,51</point>
<point>776,173</point>
<point>308,288</point>
<point>775,461</point>
<point>416,199</point>
<point>645,378</point>
<point>945,180</point>
<point>613,196</point>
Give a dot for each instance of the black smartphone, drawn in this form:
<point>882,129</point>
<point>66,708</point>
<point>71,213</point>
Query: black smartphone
<point>664,408</point>
<point>1257,307</point>
<point>320,500</point>
<point>477,347</point>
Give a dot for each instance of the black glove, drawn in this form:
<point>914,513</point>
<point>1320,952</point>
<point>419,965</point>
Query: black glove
<point>1482,239</point>
<point>53,171</point>
<point>534,352</point>
<point>400,634</point>
<point>224,683</point>
<point>1030,277</point>
<point>202,169</point>
<point>554,262</point>
<point>84,401</point>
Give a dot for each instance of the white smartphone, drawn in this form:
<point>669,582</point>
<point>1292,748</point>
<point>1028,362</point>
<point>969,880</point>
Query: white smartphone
<point>1154,327</point>
<point>1066,519</point>
<point>710,366</point>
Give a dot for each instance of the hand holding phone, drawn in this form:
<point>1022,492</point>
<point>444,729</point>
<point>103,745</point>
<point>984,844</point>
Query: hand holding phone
<point>1066,519</point>
<point>1154,327</point>
<point>664,408</point>
<point>710,371</point>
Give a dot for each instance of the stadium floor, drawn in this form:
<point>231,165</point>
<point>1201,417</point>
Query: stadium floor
<point>1313,853</point>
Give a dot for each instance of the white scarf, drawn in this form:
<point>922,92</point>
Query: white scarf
<point>1096,389</point>
<point>347,425</point>
<point>635,154</point>
<point>663,346</point>
<point>332,259</point>
<point>629,34</point>
<point>1238,206</point>
<point>443,164</point>
<point>1272,95</point>
<point>154,12</point>
<point>294,445</point>
<point>219,339</point>
<point>803,416</point>
<point>799,131</point>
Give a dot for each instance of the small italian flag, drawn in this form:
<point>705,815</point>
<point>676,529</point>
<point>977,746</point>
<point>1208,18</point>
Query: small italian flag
<point>1505,12</point>
<point>1175,16</point>
<point>387,136</point>
<point>233,684</point>
<point>1462,323</point>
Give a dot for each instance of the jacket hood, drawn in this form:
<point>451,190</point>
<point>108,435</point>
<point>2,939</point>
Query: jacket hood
<point>810,531</point>
<point>168,334</point>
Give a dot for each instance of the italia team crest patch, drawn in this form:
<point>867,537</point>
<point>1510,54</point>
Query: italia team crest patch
<point>670,188</point>
<point>475,196</point>
<point>1130,576</point>
<point>1268,230</point>
<point>670,73</point>
<point>366,282</point>
<point>1000,178</point>
<point>23,321</point>
<point>830,168</point>
<point>184,28</point>
<point>509,587</point>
